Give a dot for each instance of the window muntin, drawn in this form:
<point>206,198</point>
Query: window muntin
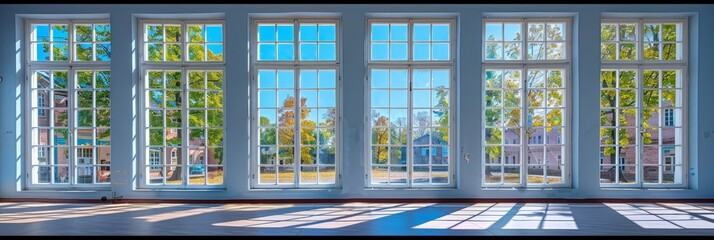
<point>395,137</point>
<point>634,125</point>
<point>92,42</point>
<point>69,144</point>
<point>75,125</point>
<point>317,41</point>
<point>526,40</point>
<point>167,42</point>
<point>642,105</point>
<point>178,132</point>
<point>49,42</point>
<point>525,111</point>
<point>431,42</point>
<point>619,41</point>
<point>410,75</point>
<point>302,40</point>
<point>400,40</point>
<point>642,40</point>
<point>509,117</point>
<point>282,153</point>
<point>295,59</point>
<point>182,107</point>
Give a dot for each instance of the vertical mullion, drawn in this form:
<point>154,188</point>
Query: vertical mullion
<point>94,123</point>
<point>94,46</point>
<point>296,47</point>
<point>51,44</point>
<point>163,40</point>
<point>71,125</point>
<point>524,118</point>
<point>431,121</point>
<point>162,150</point>
<point>389,57</point>
<point>277,126</point>
<point>617,44</point>
<point>616,115</point>
<point>317,126</point>
<point>296,132</point>
<point>184,126</point>
<point>524,46</point>
<point>639,148</point>
<point>503,41</point>
<point>205,109</point>
<point>662,123</point>
<point>660,45</point>
<point>410,124</point>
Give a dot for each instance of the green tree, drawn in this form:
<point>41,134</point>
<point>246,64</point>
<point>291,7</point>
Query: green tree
<point>628,98</point>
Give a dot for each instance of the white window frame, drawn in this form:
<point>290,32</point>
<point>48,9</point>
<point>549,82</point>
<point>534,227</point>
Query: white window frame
<point>410,65</point>
<point>640,65</point>
<point>296,65</point>
<point>524,65</point>
<point>184,66</point>
<point>71,67</point>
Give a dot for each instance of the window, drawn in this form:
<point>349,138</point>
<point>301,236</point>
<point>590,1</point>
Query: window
<point>641,100</point>
<point>41,103</point>
<point>182,65</point>
<point>669,117</point>
<point>410,76</point>
<point>155,159</point>
<point>69,73</point>
<point>526,81</point>
<point>668,161</point>
<point>530,39</point>
<point>295,59</point>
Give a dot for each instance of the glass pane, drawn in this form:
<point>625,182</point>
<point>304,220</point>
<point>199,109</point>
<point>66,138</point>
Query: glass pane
<point>173,52</point>
<point>628,32</point>
<point>196,52</point>
<point>266,33</point>
<point>494,51</point>
<point>84,52</point>
<point>608,51</point>
<point>536,32</point>
<point>536,51</point>
<point>60,52</point>
<point>494,32</point>
<point>103,32</point>
<point>326,32</point>
<point>196,33</point>
<point>556,32</point>
<point>628,51</point>
<point>173,33</point>
<point>398,51</point>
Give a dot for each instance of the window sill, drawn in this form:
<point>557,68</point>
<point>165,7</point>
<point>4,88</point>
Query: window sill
<point>178,190</point>
<point>294,189</point>
<point>641,189</point>
<point>410,189</point>
<point>66,190</point>
<point>526,188</point>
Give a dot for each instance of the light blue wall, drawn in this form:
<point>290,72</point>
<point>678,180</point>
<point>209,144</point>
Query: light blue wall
<point>586,65</point>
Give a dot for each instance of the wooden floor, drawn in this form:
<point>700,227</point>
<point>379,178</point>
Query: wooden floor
<point>26,218</point>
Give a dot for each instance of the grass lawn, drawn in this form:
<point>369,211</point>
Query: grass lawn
<point>198,180</point>
<point>289,177</point>
<point>515,178</point>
